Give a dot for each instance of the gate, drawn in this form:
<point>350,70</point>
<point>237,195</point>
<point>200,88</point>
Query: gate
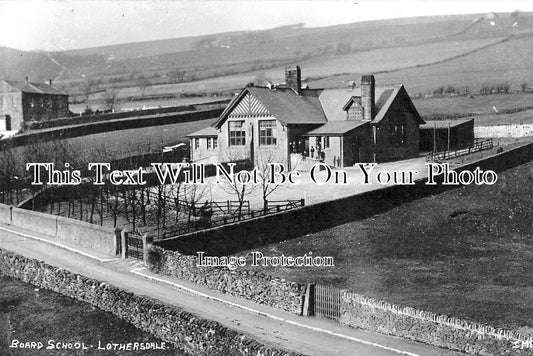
<point>327,302</point>
<point>134,246</point>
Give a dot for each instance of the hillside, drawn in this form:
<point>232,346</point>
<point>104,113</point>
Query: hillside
<point>192,58</point>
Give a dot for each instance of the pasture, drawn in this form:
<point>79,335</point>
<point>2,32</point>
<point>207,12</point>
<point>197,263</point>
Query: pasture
<point>486,109</point>
<point>507,62</point>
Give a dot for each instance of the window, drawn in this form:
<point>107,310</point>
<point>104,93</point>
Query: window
<point>397,134</point>
<point>267,132</point>
<point>355,112</point>
<point>237,133</point>
<point>209,143</point>
<point>326,141</point>
<point>196,143</point>
<point>215,143</point>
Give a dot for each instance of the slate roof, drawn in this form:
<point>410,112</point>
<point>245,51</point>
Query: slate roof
<point>443,124</point>
<point>35,88</point>
<point>205,132</point>
<point>334,100</point>
<point>336,128</point>
<point>316,106</point>
<point>283,103</point>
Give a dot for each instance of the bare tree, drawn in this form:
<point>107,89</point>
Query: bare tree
<point>110,98</point>
<point>239,190</point>
<point>143,83</point>
<point>86,88</point>
<point>193,194</point>
<point>265,160</point>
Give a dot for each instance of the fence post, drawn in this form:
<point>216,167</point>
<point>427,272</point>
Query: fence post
<point>228,203</point>
<point>124,243</point>
<point>147,243</point>
<point>309,301</point>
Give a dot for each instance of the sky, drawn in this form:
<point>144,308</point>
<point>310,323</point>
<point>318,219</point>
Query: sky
<point>66,24</point>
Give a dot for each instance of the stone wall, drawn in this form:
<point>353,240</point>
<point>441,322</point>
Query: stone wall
<point>5,214</point>
<point>511,130</point>
<point>249,234</point>
<point>95,237</point>
<point>172,324</point>
<point>439,330</point>
<point>258,287</point>
<point>78,120</point>
<point>111,125</point>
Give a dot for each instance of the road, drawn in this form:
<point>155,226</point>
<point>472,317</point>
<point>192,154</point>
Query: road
<point>309,336</point>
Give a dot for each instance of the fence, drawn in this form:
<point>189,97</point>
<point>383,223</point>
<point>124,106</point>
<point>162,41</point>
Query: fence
<point>229,206</point>
<point>476,147</point>
<point>327,302</point>
<point>231,215</point>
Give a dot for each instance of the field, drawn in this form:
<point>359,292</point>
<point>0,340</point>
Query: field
<point>421,68</point>
<point>131,142</point>
<point>108,146</point>
<point>30,314</point>
<point>504,62</point>
<point>466,252</point>
<point>486,109</point>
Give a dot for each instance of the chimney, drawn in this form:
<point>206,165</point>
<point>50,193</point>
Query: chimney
<point>50,82</point>
<point>368,93</point>
<point>27,80</point>
<point>293,79</point>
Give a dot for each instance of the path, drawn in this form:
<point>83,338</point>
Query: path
<point>310,336</point>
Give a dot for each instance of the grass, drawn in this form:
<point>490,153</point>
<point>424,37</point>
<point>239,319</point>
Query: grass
<point>523,117</point>
<point>481,106</point>
<point>116,144</point>
<point>466,252</point>
<point>390,59</point>
<point>30,314</point>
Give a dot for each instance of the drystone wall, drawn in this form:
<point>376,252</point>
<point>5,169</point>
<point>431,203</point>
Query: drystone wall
<point>439,330</point>
<point>258,287</point>
<point>171,324</point>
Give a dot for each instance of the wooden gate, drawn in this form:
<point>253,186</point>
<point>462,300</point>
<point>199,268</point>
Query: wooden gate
<point>327,302</point>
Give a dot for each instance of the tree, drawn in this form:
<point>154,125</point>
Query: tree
<point>265,160</point>
<point>234,187</point>
<point>143,83</point>
<point>193,194</point>
<point>110,98</point>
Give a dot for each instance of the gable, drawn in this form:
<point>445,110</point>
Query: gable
<point>248,105</point>
<point>353,100</point>
<point>283,104</point>
<point>5,87</point>
<point>399,102</point>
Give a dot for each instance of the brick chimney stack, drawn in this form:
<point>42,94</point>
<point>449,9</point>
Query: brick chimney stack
<point>50,82</point>
<point>27,80</point>
<point>293,79</point>
<point>368,93</point>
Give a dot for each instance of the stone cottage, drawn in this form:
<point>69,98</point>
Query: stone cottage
<point>23,102</point>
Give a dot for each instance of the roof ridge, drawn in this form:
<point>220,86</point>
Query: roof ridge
<point>35,87</point>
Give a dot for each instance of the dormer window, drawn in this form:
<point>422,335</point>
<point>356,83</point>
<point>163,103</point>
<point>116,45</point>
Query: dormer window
<point>354,109</point>
<point>355,112</point>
